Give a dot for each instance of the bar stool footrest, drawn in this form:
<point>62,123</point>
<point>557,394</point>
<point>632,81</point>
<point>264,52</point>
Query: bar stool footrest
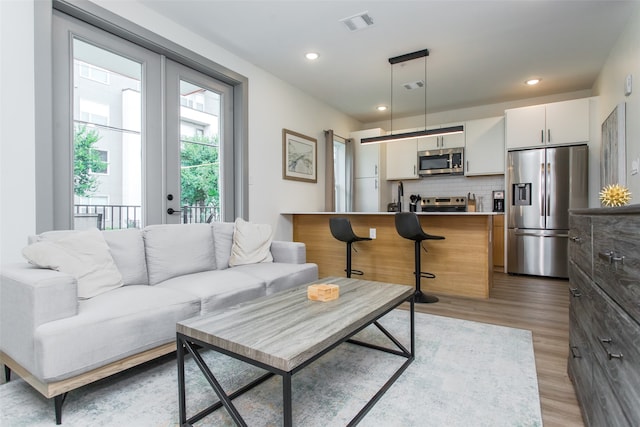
<point>427,275</point>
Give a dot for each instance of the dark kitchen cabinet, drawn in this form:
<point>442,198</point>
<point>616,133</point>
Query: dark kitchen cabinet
<point>604,314</point>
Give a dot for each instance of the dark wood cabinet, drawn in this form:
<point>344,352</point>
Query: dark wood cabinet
<point>604,314</point>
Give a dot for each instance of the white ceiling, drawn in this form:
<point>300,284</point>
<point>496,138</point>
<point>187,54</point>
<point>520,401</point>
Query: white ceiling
<point>481,52</point>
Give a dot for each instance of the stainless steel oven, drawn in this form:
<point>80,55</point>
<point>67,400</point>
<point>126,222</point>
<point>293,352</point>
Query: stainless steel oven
<point>448,161</point>
<point>444,204</point>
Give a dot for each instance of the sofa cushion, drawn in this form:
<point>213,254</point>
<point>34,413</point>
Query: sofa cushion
<point>84,255</point>
<point>219,288</point>
<point>281,276</point>
<point>222,242</point>
<point>109,327</point>
<point>127,250</point>
<point>177,249</point>
<point>251,243</point>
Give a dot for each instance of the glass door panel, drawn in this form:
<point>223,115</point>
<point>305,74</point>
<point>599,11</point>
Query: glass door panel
<point>199,153</point>
<point>198,112</point>
<point>107,139</point>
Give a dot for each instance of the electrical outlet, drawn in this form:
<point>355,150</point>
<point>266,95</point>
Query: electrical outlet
<point>372,233</point>
<point>635,165</point>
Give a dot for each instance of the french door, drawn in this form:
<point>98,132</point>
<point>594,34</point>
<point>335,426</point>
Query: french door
<point>138,139</point>
<point>199,109</point>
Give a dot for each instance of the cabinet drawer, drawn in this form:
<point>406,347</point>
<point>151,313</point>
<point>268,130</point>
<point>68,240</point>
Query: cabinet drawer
<point>617,352</point>
<point>579,363</point>
<point>604,409</point>
<point>580,245</point>
<point>616,259</point>
<point>580,301</point>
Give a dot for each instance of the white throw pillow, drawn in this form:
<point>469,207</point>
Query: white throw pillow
<point>251,243</point>
<point>84,255</point>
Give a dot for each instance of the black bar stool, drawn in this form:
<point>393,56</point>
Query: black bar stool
<point>408,226</point>
<point>341,230</point>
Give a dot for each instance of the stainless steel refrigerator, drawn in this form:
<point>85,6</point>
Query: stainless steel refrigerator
<point>542,185</point>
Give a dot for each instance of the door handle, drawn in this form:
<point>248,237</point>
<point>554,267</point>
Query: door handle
<point>172,211</point>
<point>610,355</point>
<point>611,257</point>
<point>519,233</point>
<point>543,211</point>
<point>548,136</point>
<point>575,353</point>
<point>548,205</point>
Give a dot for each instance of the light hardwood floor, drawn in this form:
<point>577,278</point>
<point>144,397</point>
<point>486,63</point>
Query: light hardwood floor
<point>540,305</point>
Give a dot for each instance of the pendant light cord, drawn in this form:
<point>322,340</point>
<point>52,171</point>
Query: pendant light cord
<point>425,93</point>
<point>391,108</point>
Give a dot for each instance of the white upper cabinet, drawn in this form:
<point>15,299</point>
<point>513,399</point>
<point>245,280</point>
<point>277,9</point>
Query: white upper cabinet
<point>455,140</point>
<point>367,162</point>
<point>484,152</point>
<point>402,159</point>
<point>563,122</point>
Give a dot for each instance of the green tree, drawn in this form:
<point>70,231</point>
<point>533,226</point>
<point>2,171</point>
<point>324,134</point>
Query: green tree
<point>200,171</point>
<point>86,159</point>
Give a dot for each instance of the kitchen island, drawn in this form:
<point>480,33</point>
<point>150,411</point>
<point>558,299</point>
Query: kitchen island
<point>462,263</point>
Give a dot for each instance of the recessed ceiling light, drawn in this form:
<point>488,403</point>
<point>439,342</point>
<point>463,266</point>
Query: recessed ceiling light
<point>311,56</point>
<point>381,108</point>
<point>532,82</point>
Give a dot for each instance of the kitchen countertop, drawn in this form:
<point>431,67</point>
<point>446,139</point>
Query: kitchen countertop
<point>393,213</point>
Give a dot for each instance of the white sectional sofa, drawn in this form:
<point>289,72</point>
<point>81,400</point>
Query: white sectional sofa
<point>58,342</point>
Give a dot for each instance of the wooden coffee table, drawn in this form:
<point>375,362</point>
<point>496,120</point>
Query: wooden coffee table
<point>285,332</point>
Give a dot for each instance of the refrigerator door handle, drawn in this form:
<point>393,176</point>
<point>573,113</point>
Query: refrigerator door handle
<point>542,186</point>
<point>548,205</point>
<point>520,233</point>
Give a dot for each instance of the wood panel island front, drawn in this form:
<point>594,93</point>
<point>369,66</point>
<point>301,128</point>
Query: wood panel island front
<point>462,263</point>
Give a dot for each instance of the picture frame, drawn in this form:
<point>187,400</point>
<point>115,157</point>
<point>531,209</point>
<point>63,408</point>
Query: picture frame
<point>613,150</point>
<point>299,157</point>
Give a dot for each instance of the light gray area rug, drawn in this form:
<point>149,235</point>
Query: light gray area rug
<point>465,374</point>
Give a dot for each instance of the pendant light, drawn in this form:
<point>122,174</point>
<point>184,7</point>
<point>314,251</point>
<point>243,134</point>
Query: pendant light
<point>414,134</point>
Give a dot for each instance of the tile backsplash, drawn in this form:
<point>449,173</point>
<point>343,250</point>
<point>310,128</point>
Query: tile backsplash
<point>481,186</point>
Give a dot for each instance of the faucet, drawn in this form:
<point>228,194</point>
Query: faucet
<point>400,194</point>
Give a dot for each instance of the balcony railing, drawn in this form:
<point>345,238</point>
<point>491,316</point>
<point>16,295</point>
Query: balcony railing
<point>115,217</point>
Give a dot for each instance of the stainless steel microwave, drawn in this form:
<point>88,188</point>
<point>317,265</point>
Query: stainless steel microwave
<point>447,161</point>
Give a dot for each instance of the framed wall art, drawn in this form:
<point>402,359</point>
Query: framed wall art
<point>299,157</point>
<point>613,153</point>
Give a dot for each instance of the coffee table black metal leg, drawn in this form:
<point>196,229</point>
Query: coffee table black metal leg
<point>287,406</point>
<point>181,388</point>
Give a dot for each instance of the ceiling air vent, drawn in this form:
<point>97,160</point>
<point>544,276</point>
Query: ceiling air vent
<point>414,85</point>
<point>358,22</point>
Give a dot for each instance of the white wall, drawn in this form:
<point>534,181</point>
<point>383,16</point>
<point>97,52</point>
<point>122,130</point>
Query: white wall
<point>624,59</point>
<point>273,105</point>
<point>17,128</point>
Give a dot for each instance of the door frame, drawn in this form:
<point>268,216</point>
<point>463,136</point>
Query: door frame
<point>92,14</point>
